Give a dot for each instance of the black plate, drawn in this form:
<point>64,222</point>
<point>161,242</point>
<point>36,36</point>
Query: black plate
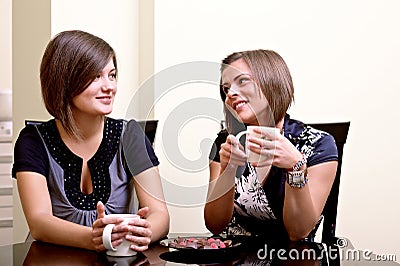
<point>201,256</point>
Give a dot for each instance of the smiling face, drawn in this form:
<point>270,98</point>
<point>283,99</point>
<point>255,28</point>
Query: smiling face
<point>98,98</point>
<point>243,97</point>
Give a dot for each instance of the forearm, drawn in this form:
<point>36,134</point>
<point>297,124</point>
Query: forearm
<point>159,222</point>
<point>303,206</point>
<point>220,201</point>
<point>51,229</point>
<point>299,212</point>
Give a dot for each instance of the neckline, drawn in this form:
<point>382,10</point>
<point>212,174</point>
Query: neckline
<point>64,146</point>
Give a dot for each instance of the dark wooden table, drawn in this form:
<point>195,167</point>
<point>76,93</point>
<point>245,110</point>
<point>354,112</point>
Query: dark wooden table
<point>39,253</point>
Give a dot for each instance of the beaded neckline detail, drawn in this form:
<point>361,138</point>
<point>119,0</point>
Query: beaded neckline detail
<point>72,164</point>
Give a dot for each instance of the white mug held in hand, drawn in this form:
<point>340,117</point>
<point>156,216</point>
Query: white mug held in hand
<point>122,250</point>
<point>253,157</point>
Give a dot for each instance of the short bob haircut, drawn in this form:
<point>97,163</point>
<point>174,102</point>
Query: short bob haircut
<point>270,74</point>
<point>70,63</point>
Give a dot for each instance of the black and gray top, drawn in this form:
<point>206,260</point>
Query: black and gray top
<point>39,148</point>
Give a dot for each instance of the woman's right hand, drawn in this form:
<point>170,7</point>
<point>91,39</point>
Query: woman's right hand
<point>232,153</point>
<point>119,232</point>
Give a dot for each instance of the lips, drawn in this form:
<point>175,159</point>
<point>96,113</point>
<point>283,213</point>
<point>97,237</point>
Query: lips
<point>104,99</point>
<point>238,105</point>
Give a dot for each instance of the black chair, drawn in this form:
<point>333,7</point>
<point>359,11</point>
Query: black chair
<point>150,129</point>
<point>339,132</point>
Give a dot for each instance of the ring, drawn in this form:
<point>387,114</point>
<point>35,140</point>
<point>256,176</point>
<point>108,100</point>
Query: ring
<point>263,137</point>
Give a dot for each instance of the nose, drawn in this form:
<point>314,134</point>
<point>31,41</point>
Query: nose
<point>232,91</point>
<point>108,85</point>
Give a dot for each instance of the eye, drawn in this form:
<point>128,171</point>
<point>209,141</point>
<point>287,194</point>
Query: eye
<point>113,76</point>
<point>243,81</point>
<point>97,77</point>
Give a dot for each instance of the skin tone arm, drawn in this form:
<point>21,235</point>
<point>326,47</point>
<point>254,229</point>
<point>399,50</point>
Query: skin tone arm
<point>219,206</point>
<point>151,197</point>
<point>308,202</point>
<point>43,226</point>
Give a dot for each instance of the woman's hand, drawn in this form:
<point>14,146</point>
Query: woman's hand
<point>140,231</point>
<point>271,144</point>
<point>119,231</point>
<point>232,153</point>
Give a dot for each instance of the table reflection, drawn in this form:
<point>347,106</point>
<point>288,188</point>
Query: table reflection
<point>40,253</point>
<point>248,253</point>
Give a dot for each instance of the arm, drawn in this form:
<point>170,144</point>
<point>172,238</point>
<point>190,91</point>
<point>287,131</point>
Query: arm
<point>302,206</point>
<point>154,209</point>
<point>220,197</point>
<point>43,226</point>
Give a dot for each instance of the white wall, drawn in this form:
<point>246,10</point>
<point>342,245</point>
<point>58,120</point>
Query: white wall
<point>344,59</point>
<point>5,44</point>
<point>30,25</point>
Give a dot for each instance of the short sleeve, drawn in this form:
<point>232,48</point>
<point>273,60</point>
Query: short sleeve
<point>138,152</point>
<point>30,153</point>
<point>214,153</point>
<point>325,150</point>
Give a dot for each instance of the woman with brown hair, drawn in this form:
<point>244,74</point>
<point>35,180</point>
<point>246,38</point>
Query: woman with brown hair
<point>280,198</point>
<point>81,165</point>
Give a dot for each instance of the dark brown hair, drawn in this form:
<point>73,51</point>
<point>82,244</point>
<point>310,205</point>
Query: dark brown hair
<point>70,63</point>
<point>270,74</point>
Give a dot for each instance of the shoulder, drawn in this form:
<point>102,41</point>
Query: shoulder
<point>297,131</point>
<point>137,149</point>
<point>319,146</point>
<point>31,132</point>
<point>30,152</point>
<point>132,129</point>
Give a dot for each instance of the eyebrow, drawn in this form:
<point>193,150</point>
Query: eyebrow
<point>237,77</point>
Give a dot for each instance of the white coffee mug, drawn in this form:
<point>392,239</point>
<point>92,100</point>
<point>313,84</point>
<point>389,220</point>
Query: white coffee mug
<point>253,157</point>
<point>122,250</point>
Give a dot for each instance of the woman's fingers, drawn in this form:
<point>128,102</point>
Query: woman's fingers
<point>100,210</point>
<point>232,152</point>
<point>139,234</point>
<point>143,212</point>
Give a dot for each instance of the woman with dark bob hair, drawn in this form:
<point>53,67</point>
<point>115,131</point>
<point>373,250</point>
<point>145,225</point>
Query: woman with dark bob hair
<point>81,165</point>
<point>280,197</point>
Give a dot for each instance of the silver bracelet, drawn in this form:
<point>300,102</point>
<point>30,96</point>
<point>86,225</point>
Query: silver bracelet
<point>300,163</point>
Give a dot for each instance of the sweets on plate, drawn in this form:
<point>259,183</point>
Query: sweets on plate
<point>199,243</point>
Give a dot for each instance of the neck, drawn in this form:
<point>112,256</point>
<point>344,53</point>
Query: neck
<point>88,127</point>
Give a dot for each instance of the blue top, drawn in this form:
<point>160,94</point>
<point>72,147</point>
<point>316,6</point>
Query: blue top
<point>120,156</point>
<point>258,209</point>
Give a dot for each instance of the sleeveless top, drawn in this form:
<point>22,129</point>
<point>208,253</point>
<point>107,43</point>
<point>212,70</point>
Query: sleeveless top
<point>123,153</point>
<point>258,209</point>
